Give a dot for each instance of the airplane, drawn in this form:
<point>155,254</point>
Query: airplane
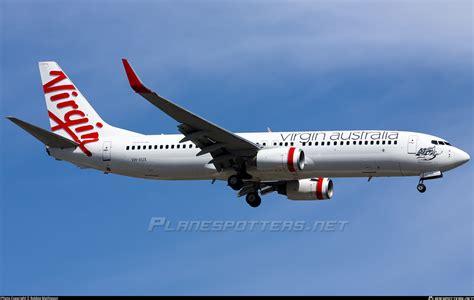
<point>298,165</point>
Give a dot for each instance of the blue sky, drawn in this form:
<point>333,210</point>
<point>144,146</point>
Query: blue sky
<point>245,65</point>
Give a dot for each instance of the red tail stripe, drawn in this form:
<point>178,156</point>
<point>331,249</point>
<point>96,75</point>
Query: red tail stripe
<point>50,86</point>
<point>70,103</point>
<point>84,128</point>
<point>59,96</point>
<point>61,125</point>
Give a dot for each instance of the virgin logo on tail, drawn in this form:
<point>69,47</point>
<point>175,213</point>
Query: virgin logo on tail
<point>63,97</point>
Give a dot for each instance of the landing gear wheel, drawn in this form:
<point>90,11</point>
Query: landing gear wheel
<point>421,187</point>
<point>253,199</point>
<point>235,182</point>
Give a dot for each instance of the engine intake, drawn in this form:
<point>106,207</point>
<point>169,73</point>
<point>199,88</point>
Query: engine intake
<point>308,189</point>
<point>280,159</point>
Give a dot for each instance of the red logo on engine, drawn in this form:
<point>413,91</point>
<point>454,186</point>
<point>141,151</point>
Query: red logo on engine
<point>74,116</point>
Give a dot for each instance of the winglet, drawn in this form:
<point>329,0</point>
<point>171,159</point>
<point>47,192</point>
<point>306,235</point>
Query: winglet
<point>135,82</point>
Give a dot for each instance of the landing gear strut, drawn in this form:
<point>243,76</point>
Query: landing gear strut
<point>235,182</point>
<point>253,199</point>
<point>427,176</point>
<point>421,187</point>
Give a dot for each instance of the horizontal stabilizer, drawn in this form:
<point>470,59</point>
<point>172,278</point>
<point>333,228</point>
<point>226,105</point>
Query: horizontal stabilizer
<point>46,137</point>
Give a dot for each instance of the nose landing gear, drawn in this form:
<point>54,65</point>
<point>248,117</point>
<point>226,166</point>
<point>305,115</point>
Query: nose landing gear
<point>421,187</point>
<point>427,176</point>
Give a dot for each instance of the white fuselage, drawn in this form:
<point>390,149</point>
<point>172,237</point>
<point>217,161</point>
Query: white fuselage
<point>362,153</point>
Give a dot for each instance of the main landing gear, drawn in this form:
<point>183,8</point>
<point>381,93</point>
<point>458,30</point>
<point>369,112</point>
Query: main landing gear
<point>251,192</point>
<point>235,182</point>
<point>253,199</point>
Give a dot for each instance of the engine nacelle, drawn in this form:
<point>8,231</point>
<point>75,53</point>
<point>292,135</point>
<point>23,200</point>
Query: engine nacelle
<point>308,189</point>
<point>280,159</point>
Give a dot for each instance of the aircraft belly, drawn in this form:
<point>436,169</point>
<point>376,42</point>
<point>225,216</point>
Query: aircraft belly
<point>172,168</point>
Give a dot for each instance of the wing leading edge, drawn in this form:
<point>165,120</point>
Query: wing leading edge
<point>226,148</point>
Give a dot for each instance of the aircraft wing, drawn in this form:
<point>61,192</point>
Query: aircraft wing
<point>226,148</point>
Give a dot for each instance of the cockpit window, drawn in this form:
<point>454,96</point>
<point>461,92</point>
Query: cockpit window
<point>440,143</point>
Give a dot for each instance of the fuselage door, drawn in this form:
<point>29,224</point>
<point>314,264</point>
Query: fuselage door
<point>106,151</point>
<point>412,144</point>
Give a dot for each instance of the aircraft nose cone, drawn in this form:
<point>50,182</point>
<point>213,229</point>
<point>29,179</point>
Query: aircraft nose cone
<point>462,157</point>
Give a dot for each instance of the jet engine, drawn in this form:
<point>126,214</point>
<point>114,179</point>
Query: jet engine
<point>308,189</point>
<point>280,159</point>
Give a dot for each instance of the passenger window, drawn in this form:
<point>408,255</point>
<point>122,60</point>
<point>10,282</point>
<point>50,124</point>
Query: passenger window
<point>354,142</point>
<point>292,144</point>
<point>310,143</point>
<point>383,142</point>
<point>348,143</point>
<point>366,142</point>
<point>172,146</point>
<point>328,144</point>
<point>166,147</point>
<point>434,142</point>
<point>286,144</point>
<point>322,143</point>
<point>394,142</point>
<point>149,147</point>
<point>371,142</point>
<point>303,143</point>
<point>378,142</point>
<point>389,142</point>
<point>440,143</point>
<point>335,143</point>
<point>156,147</point>
<point>274,143</point>
<point>161,146</point>
<point>341,143</point>
<point>360,142</point>
<point>447,143</point>
<point>190,146</point>
<point>138,147</point>
<point>184,146</point>
<point>315,143</point>
<point>264,144</point>
<point>178,146</point>
<point>133,147</point>
<point>128,147</point>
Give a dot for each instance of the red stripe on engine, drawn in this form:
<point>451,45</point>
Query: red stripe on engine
<point>291,166</point>
<point>319,188</point>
